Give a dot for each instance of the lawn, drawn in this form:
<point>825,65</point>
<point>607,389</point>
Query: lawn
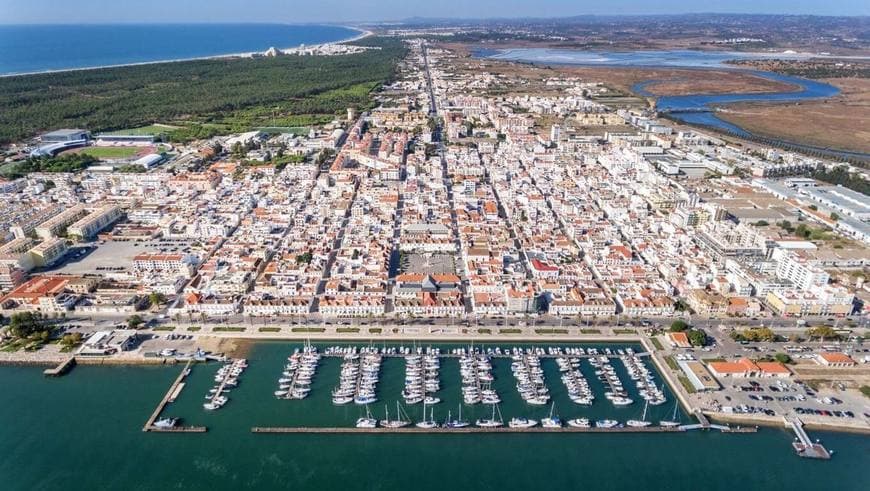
<point>686,384</point>
<point>657,344</point>
<point>484,330</point>
<point>375,330</point>
<point>164,328</point>
<point>347,329</point>
<point>194,328</point>
<point>551,331</point>
<point>309,329</point>
<point>228,329</point>
<point>624,331</point>
<point>510,331</point>
<point>111,152</point>
<point>269,329</point>
<point>590,331</point>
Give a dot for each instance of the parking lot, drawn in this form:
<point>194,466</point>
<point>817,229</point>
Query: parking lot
<point>94,258</point>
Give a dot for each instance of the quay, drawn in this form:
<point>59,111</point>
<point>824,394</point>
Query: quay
<point>171,395</point>
<point>61,369</point>
<point>803,445</point>
<point>474,429</point>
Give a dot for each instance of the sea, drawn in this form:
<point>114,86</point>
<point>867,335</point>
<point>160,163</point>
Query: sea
<point>83,432</point>
<point>39,48</point>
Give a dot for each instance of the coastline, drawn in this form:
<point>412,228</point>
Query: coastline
<point>362,34</point>
<point>776,422</point>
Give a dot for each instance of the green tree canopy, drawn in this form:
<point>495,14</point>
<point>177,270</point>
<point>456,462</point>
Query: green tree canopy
<point>679,325</point>
<point>26,324</point>
<point>134,321</point>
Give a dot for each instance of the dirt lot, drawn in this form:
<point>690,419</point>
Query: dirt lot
<point>232,347</point>
<point>717,82</point>
<point>842,121</point>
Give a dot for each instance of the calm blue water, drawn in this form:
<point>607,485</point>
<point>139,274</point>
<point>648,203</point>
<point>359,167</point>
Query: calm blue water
<point>83,432</point>
<point>53,47</point>
<point>695,108</point>
<point>672,58</point>
<point>809,89</point>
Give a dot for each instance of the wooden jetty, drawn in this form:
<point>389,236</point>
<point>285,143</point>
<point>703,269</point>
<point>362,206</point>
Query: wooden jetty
<point>61,369</point>
<point>171,394</point>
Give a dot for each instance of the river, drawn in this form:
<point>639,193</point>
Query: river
<point>83,432</point>
<point>698,109</point>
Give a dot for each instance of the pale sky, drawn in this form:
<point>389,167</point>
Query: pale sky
<point>290,11</point>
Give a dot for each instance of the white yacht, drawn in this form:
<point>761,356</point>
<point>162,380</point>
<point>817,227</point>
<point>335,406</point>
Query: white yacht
<point>637,423</point>
<point>551,421</point>
<point>166,423</point>
<point>606,423</point>
<point>394,423</point>
<point>368,421</point>
<point>522,423</point>
<point>491,422</point>
<point>456,423</point>
<point>579,423</point>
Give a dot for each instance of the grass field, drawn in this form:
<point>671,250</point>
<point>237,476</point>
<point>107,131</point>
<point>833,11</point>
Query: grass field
<point>153,130</point>
<point>111,152</point>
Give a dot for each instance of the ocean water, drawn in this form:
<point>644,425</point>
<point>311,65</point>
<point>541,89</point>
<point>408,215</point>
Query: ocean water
<point>83,432</point>
<point>35,48</point>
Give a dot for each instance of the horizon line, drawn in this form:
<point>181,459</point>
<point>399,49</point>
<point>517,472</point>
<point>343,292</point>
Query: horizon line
<point>426,18</point>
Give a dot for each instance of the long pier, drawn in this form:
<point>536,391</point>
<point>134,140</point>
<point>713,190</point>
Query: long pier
<point>472,429</point>
<point>492,355</point>
<point>171,394</point>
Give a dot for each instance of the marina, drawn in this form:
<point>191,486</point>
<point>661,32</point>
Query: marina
<point>546,383</point>
<point>230,446</point>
